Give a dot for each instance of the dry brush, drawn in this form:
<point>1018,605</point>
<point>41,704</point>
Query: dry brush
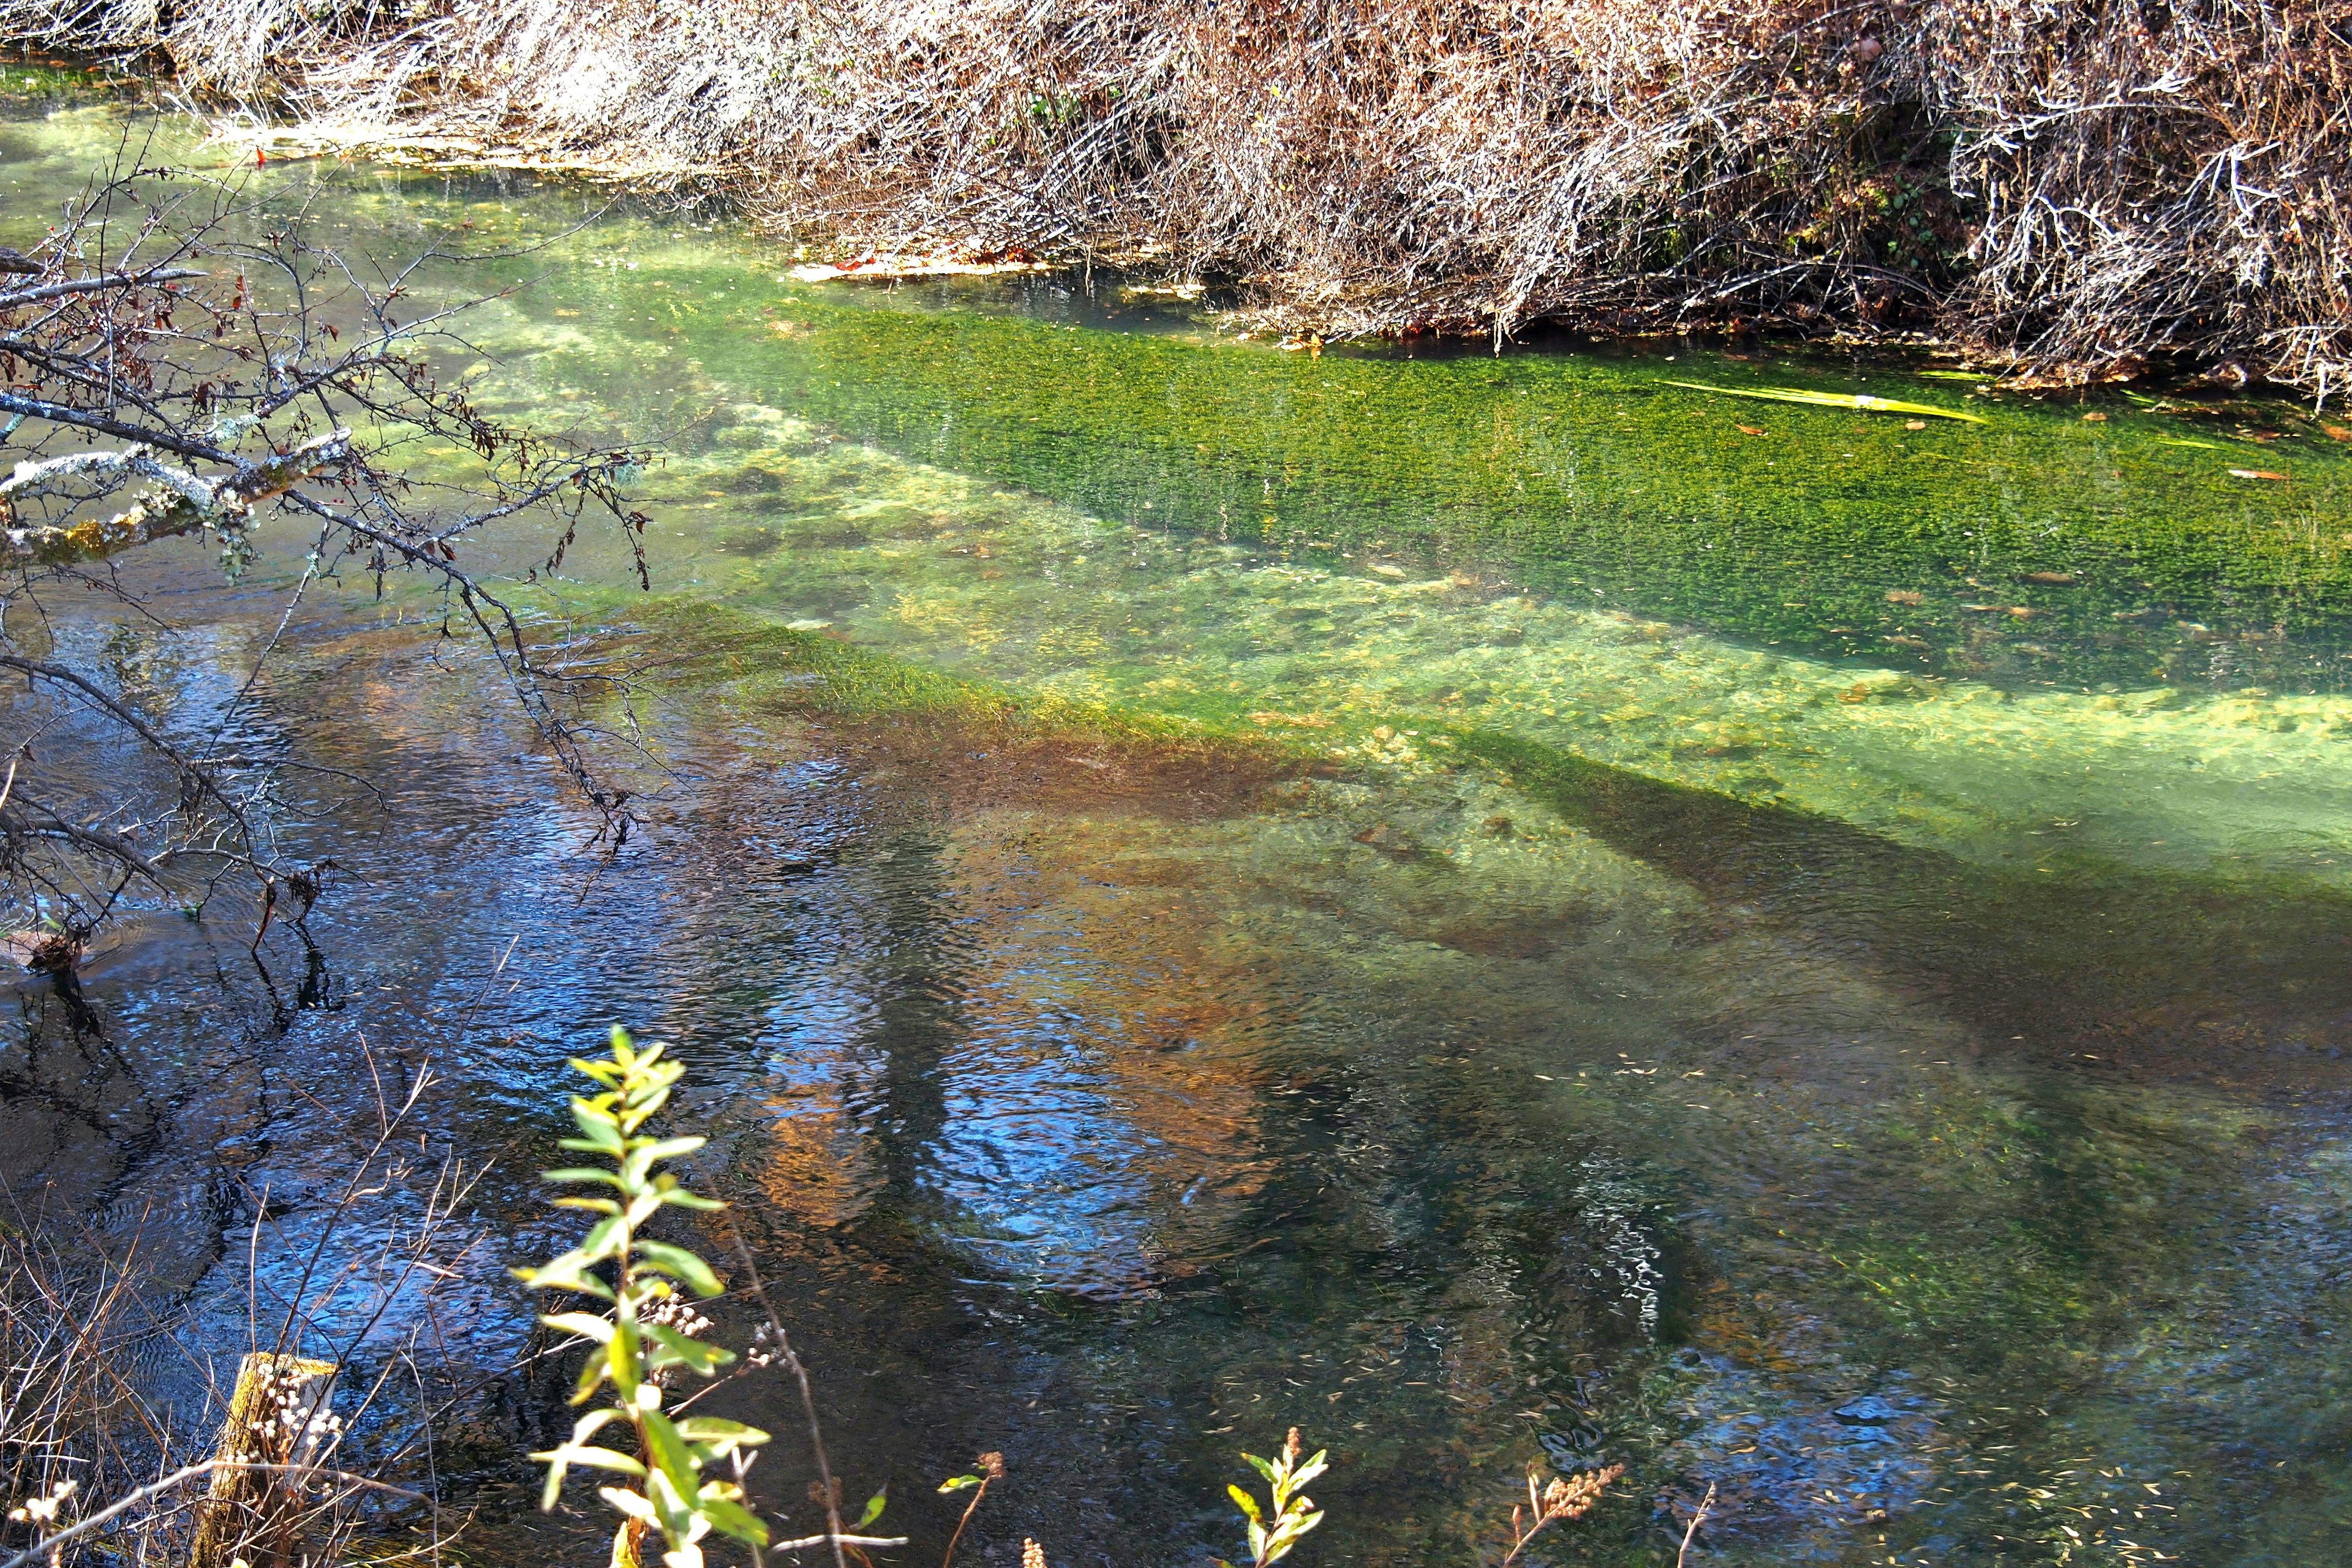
<point>2087,186</point>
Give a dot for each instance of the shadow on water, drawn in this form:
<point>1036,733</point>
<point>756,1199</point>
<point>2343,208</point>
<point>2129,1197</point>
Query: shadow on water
<point>2145,967</point>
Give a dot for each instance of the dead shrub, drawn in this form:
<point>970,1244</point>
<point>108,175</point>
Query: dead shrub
<point>2088,186</point>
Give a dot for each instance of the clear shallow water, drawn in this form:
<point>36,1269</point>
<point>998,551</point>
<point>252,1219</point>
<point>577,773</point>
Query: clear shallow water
<point>1373,981</point>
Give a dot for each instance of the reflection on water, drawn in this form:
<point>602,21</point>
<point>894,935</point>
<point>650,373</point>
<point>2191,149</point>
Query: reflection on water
<point>1345,976</point>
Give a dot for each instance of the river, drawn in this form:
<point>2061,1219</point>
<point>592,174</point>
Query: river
<point>1489,907</point>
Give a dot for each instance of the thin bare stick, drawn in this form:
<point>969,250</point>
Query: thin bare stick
<point>1704,1503</point>
<point>181,1478</point>
<point>808,1407</point>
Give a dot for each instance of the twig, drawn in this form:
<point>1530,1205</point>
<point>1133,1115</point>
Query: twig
<point>1704,1503</point>
<point>808,1407</point>
<point>181,1478</point>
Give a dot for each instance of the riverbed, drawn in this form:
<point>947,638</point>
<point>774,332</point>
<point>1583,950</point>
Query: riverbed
<point>1493,909</point>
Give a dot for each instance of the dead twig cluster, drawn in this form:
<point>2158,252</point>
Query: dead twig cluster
<point>183,358</point>
<point>2082,187</point>
<point>327,1436</point>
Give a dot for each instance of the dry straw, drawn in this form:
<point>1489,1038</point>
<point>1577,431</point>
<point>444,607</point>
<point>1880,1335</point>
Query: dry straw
<point>2087,187</point>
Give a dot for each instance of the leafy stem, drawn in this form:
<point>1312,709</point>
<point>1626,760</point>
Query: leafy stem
<point>1273,1532</point>
<point>637,1343</point>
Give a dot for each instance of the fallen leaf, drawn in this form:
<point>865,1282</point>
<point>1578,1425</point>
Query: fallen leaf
<point>2055,579</point>
<point>1915,424</point>
<point>2094,419</point>
<point>1906,596</point>
<point>2337,432</point>
<point>1751,430</point>
<point>2255,474</point>
<point>1383,568</point>
<point>1862,402</point>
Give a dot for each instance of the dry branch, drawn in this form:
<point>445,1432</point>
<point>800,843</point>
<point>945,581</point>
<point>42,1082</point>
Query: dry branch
<point>2088,186</point>
<point>181,504</point>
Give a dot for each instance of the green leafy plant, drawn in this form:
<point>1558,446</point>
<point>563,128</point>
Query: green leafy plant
<point>1292,1513</point>
<point>992,1468</point>
<point>640,1344</point>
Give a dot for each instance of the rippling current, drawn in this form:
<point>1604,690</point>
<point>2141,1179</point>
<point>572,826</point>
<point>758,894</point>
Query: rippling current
<point>1493,909</point>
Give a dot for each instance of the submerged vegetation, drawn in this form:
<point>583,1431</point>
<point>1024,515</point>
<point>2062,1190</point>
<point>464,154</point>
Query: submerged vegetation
<point>1523,917</point>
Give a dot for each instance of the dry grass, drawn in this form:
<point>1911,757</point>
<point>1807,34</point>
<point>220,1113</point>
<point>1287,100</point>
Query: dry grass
<point>2088,186</point>
<point>73,1325</point>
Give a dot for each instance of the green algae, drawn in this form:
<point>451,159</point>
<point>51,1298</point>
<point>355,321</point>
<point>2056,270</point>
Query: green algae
<point>1582,476</point>
<point>1373,663</point>
<point>1850,984</point>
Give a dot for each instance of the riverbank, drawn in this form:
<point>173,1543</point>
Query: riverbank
<point>2082,198</point>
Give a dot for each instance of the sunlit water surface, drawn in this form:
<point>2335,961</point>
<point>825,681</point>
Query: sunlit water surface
<point>1492,909</point>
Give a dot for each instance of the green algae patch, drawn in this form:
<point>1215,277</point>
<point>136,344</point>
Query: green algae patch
<point>2134,956</point>
<point>679,643</point>
<point>1373,658</point>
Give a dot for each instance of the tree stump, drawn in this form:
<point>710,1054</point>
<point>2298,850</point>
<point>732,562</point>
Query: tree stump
<point>278,1415</point>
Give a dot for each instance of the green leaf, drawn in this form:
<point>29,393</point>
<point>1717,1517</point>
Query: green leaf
<point>602,1239</point>
<point>684,1265</point>
<point>677,1511</point>
<point>558,1460</point>
<point>587,1325</point>
<point>592,1373</point>
<point>1861,402</point>
<point>1265,1467</point>
<point>599,1128</point>
<point>1288,1537</point>
<point>731,1518</point>
<point>678,1197</point>
<point>637,1505</point>
<point>594,1206</point>
<point>683,1351</point>
<point>959,1483</point>
<point>670,1453</point>
<point>873,1505</point>
<point>603,1072</point>
<point>622,1353</point>
<point>595,1421</point>
<point>720,1432</point>
<point>1246,1503</point>
<point>580,1173</point>
<point>564,1273</point>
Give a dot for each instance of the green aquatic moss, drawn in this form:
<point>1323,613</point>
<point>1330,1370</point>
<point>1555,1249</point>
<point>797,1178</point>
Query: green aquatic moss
<point>2034,547</point>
